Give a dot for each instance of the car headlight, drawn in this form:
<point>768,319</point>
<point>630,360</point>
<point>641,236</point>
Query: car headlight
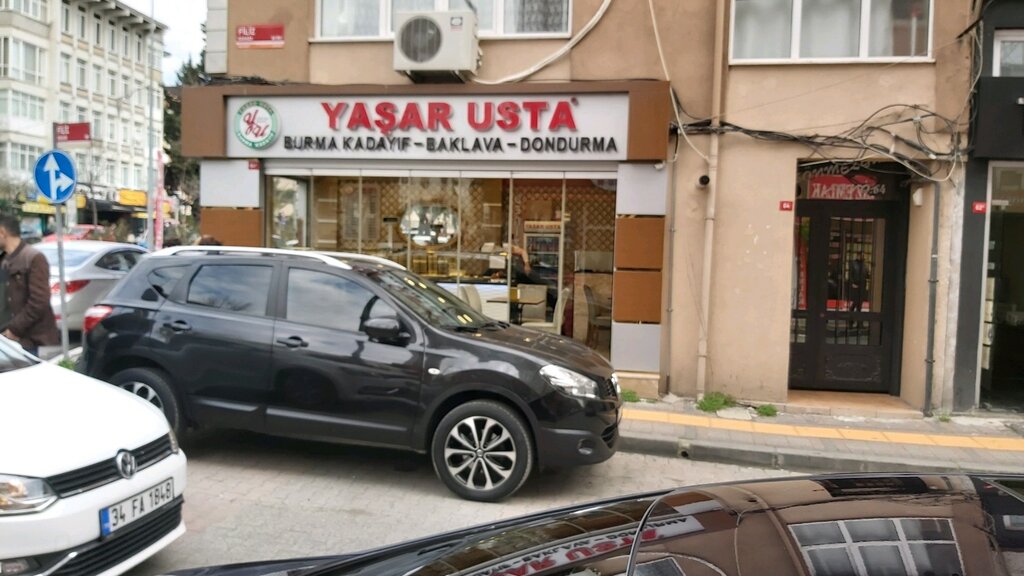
<point>615,385</point>
<point>20,495</point>
<point>175,448</point>
<point>18,566</point>
<point>572,383</point>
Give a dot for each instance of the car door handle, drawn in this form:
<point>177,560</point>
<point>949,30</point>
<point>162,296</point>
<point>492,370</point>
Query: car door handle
<point>293,342</point>
<point>178,326</point>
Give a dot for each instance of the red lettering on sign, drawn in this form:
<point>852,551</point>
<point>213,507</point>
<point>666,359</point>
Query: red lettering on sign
<point>386,112</point>
<point>488,120</point>
<point>253,128</point>
<point>439,114</point>
<point>508,116</point>
<point>359,117</point>
<point>411,118</point>
<point>333,113</point>
<point>563,117</point>
<point>535,108</point>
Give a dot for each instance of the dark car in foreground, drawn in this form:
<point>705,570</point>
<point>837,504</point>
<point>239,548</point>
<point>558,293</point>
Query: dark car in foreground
<point>936,524</point>
<point>353,349</point>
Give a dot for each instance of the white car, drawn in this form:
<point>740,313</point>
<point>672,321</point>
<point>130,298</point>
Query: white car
<point>91,476</point>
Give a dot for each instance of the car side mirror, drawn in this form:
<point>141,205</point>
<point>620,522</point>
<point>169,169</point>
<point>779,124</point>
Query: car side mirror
<point>385,330</point>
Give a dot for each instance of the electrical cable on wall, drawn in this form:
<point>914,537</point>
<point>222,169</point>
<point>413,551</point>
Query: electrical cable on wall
<point>554,55</point>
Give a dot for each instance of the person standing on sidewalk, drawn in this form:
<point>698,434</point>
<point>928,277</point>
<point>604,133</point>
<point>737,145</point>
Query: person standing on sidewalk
<point>26,305</point>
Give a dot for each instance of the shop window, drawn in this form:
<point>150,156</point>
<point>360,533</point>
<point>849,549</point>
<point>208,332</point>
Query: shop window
<point>834,29</point>
<point>371,19</point>
<point>533,251</point>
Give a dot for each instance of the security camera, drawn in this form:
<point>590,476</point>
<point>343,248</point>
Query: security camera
<point>703,181</point>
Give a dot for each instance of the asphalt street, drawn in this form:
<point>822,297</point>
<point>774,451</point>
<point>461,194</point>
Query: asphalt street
<point>252,497</point>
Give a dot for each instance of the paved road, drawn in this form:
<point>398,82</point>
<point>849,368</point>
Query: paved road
<point>252,497</point>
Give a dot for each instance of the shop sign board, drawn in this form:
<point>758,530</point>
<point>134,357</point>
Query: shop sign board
<point>471,127</point>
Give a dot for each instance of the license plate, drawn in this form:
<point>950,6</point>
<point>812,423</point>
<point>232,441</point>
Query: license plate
<point>115,517</point>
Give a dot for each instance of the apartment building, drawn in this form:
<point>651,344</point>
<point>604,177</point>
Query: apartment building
<point>80,61</point>
<point>755,197</point>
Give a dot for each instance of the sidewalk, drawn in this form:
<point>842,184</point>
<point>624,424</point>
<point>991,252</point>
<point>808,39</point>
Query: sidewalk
<point>817,443</point>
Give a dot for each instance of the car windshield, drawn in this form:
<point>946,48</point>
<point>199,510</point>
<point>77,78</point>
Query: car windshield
<point>12,357</point>
<point>434,304</point>
<point>73,257</point>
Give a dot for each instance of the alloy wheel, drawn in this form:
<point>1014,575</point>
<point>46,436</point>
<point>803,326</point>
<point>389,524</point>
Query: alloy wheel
<point>480,453</point>
<point>145,392</point>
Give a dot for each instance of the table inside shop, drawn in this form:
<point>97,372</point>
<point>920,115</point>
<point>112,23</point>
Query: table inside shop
<point>518,303</point>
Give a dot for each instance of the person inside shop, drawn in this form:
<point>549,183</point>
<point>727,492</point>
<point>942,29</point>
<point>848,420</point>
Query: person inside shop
<point>25,313</point>
<point>524,273</point>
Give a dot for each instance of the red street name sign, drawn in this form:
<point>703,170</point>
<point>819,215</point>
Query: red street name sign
<point>786,205</point>
<point>259,36</point>
<point>74,132</point>
<point>979,207</point>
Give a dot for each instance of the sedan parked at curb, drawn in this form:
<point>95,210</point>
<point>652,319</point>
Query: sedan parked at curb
<point>91,478</point>
<point>91,268</point>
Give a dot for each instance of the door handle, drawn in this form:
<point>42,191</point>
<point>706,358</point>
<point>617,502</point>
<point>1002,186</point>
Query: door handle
<point>178,326</point>
<point>293,342</point>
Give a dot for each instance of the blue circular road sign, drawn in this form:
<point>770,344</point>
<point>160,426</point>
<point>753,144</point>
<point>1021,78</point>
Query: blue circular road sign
<point>55,176</point>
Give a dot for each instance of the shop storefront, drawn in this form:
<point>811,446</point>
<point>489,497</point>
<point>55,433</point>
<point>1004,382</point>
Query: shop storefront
<point>536,206</point>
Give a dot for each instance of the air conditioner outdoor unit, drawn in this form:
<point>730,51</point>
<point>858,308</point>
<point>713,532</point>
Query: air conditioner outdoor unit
<point>436,45</point>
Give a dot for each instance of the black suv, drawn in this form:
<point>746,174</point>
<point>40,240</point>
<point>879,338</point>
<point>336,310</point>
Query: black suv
<point>351,348</point>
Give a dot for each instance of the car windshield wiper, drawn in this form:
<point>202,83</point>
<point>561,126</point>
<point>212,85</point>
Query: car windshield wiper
<point>496,324</point>
<point>463,327</point>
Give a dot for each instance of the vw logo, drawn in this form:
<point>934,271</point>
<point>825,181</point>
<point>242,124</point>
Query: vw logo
<point>126,465</point>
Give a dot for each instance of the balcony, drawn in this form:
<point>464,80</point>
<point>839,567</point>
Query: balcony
<point>999,129</point>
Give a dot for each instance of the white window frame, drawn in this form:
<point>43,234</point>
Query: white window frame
<point>67,73</point>
<point>865,46</point>
<point>385,34</point>
<point>1001,36</point>
<point>65,15</point>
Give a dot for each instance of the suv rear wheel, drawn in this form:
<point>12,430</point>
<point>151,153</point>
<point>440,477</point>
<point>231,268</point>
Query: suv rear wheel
<point>152,385</point>
<point>482,451</point>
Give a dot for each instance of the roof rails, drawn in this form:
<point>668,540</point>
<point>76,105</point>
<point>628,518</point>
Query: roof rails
<point>227,250</point>
<point>364,258</point>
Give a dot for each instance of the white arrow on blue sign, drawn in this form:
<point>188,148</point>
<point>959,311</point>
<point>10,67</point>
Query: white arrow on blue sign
<point>55,176</point>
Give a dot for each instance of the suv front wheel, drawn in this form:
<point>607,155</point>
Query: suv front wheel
<point>482,451</point>
<point>152,385</point>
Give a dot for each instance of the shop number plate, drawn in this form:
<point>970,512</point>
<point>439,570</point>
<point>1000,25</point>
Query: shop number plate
<point>115,517</point>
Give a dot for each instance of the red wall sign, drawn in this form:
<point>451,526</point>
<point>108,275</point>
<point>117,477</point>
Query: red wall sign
<point>259,36</point>
<point>786,206</point>
<point>74,132</point>
<point>979,207</point>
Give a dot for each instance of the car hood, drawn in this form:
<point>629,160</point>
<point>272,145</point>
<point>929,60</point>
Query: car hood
<point>548,347</point>
<point>53,420</point>
<point>942,524</point>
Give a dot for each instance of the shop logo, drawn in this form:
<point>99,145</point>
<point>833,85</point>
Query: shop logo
<point>256,125</point>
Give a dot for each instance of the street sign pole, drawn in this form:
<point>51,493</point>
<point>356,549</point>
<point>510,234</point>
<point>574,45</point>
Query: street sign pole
<point>60,266</point>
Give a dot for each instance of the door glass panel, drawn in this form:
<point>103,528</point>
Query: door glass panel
<point>853,332</point>
<point>242,288</point>
<point>801,244</point>
<point>588,248</point>
<point>855,259</point>
<point>330,301</point>
<point>1002,352</point>
<point>288,211</point>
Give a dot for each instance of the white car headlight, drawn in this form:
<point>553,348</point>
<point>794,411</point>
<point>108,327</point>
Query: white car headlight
<point>20,495</point>
<point>615,384</point>
<point>572,383</point>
